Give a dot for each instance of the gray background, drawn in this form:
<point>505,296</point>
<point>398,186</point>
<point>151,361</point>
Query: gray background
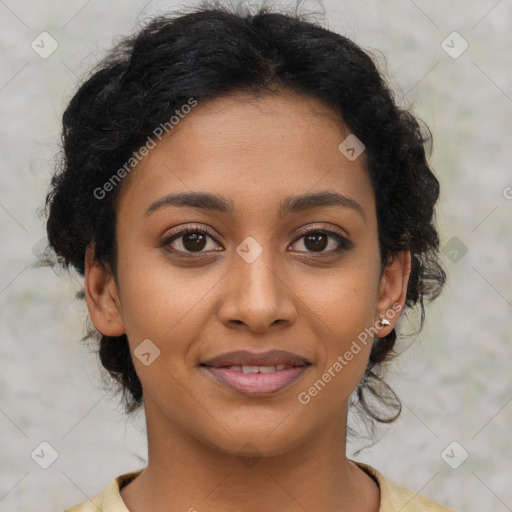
<point>455,380</point>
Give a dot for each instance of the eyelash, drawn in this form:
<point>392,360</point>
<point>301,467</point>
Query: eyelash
<point>343,243</point>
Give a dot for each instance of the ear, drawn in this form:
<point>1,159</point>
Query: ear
<point>393,291</point>
<point>102,297</point>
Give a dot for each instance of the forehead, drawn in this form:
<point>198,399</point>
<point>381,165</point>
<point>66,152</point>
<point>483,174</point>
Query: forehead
<point>254,150</point>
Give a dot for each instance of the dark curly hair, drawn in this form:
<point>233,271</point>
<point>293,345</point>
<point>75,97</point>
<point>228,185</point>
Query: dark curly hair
<point>214,50</point>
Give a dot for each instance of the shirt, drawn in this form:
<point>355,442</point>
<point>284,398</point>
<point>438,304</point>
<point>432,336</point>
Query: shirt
<point>393,497</point>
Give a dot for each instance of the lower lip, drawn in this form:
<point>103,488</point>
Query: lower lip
<point>257,384</point>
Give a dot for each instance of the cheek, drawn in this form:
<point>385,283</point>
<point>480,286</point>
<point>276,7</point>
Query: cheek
<point>155,295</point>
<point>343,299</point>
<point>343,310</point>
<point>345,343</point>
<point>163,314</point>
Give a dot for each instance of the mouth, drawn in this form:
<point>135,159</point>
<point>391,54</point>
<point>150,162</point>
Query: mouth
<point>257,374</point>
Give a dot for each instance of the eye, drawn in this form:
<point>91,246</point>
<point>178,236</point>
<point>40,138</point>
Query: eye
<point>189,241</point>
<point>316,240</point>
<point>192,241</point>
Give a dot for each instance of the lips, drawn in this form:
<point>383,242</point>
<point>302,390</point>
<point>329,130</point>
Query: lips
<point>258,369</point>
<point>257,374</point>
<point>245,358</point>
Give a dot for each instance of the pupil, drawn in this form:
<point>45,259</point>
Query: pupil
<point>317,242</point>
<point>192,241</point>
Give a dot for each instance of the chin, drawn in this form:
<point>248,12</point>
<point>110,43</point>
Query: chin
<point>256,446</point>
<point>258,439</point>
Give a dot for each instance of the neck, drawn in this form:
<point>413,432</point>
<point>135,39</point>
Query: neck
<point>185,474</point>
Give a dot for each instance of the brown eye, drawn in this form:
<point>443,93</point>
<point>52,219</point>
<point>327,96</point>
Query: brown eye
<point>188,241</point>
<point>318,240</point>
<point>194,241</point>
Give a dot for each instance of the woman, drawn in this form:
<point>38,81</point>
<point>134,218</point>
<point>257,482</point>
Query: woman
<point>251,213</point>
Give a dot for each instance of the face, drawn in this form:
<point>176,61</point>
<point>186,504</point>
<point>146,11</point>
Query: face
<point>237,305</point>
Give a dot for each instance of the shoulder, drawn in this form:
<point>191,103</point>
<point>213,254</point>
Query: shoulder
<point>110,499</point>
<point>395,497</point>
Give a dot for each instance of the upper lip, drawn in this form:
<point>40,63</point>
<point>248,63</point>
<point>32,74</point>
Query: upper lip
<point>246,358</point>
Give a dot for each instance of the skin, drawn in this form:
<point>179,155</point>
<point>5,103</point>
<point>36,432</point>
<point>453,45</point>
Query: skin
<point>255,152</point>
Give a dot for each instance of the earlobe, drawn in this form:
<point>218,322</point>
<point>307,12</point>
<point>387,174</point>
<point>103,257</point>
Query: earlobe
<point>101,297</point>
<point>393,292</point>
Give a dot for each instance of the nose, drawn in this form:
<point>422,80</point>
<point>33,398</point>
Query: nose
<point>257,296</point>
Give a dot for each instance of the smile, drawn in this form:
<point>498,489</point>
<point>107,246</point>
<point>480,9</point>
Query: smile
<point>259,369</point>
<point>257,374</point>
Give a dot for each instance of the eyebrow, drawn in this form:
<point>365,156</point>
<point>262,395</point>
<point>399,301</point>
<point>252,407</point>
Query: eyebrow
<point>221,204</point>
